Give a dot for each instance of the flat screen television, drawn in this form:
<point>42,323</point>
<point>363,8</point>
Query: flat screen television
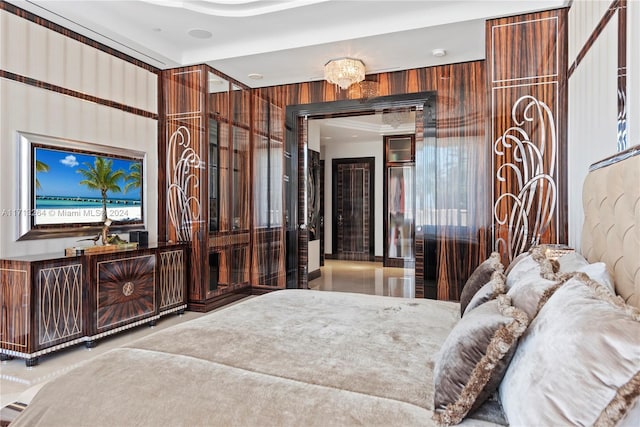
<point>69,188</point>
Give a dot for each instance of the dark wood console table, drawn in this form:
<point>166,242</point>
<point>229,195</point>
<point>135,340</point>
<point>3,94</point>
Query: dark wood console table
<point>48,302</point>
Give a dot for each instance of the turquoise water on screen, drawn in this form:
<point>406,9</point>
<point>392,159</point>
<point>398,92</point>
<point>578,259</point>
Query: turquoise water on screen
<point>56,202</point>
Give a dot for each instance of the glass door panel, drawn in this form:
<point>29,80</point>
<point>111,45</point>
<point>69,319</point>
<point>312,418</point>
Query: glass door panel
<point>400,212</point>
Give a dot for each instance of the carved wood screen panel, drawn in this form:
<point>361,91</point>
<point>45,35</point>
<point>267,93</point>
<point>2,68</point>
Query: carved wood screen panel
<point>527,59</point>
<point>59,303</point>
<point>185,181</point>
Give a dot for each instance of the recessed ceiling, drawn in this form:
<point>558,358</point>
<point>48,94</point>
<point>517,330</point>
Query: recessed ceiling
<point>286,41</point>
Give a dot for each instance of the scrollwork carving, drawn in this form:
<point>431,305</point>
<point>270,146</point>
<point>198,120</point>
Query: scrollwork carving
<point>183,163</point>
<point>529,164</point>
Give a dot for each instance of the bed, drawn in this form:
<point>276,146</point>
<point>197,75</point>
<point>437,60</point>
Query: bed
<point>545,341</point>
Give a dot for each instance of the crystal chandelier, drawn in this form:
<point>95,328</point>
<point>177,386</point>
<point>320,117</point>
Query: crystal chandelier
<point>344,71</point>
<point>395,118</point>
<point>365,89</point>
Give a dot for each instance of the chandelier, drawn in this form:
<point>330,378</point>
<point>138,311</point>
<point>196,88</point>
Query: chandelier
<point>344,71</point>
<point>365,89</point>
<point>395,118</point>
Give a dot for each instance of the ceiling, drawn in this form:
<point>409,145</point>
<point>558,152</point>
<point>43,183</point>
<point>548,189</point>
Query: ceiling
<point>286,41</point>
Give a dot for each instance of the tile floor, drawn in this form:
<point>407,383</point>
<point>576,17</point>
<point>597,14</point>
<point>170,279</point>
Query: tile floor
<point>19,383</point>
<point>365,278</point>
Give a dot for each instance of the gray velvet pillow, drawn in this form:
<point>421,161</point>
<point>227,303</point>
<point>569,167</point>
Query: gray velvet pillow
<point>489,291</point>
<point>474,357</point>
<point>479,278</point>
<point>579,361</point>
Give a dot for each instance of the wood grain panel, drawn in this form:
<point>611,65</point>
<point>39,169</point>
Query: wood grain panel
<point>461,243</point>
<point>303,233</point>
<point>185,176</point>
<point>268,248</point>
<point>528,129</point>
<point>268,258</point>
<point>533,37</point>
<point>541,198</point>
<point>353,190</point>
<point>241,217</point>
<point>224,178</point>
<point>15,290</point>
<point>125,290</point>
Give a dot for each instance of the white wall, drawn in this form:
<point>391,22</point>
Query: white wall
<point>593,101</point>
<point>343,150</point>
<point>30,50</point>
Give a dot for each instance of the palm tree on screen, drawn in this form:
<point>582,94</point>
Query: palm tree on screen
<point>40,167</point>
<point>101,176</point>
<point>134,178</point>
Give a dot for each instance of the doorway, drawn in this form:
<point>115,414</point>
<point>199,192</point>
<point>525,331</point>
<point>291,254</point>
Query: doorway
<point>353,208</point>
<point>296,162</point>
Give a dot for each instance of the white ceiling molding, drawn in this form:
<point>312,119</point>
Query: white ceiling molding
<point>234,8</point>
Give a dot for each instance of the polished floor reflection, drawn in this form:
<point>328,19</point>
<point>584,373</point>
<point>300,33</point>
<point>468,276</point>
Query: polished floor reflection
<point>365,278</point>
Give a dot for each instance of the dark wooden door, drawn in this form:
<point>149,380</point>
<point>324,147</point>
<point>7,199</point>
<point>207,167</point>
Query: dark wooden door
<point>353,208</point>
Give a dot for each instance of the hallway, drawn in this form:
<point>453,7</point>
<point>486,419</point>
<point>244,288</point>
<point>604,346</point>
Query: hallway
<point>365,278</point>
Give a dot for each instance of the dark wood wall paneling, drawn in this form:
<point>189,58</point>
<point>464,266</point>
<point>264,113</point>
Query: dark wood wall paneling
<point>15,280</point>
<point>303,233</point>
<point>268,249</point>
<point>184,202</point>
<point>527,78</point>
<point>187,111</point>
<point>461,125</point>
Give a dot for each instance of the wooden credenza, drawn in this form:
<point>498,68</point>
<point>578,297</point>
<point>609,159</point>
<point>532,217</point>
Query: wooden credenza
<point>48,302</point>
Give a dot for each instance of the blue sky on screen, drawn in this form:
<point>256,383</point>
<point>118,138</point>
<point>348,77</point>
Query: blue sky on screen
<point>63,178</point>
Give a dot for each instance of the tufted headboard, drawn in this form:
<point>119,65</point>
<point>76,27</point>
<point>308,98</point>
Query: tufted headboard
<point>611,231</point>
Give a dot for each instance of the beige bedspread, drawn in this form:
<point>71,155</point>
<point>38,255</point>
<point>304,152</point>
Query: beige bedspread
<point>289,358</point>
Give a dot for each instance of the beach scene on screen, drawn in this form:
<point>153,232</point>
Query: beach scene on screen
<point>68,187</point>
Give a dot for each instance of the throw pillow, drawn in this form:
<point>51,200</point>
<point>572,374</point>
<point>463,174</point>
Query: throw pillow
<point>488,292</point>
<point>597,271</point>
<point>479,278</point>
<point>474,357</point>
<point>579,361</point>
<point>532,266</point>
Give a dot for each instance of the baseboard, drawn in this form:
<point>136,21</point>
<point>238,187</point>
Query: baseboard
<point>316,274</point>
<point>219,301</point>
<point>261,290</point>
<point>371,258</point>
